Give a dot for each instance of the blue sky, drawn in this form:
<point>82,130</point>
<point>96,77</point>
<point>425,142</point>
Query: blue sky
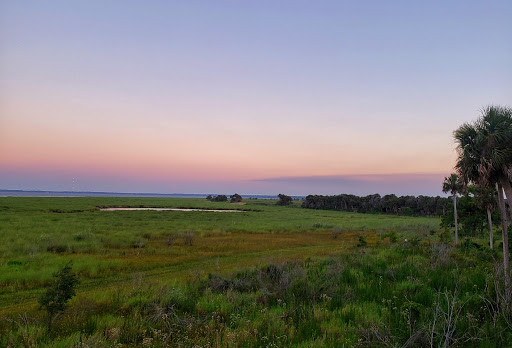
<point>203,96</point>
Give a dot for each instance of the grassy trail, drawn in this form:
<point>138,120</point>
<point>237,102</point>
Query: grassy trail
<point>290,246</point>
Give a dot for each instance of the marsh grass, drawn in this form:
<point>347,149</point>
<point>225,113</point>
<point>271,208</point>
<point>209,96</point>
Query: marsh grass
<point>378,297</point>
<point>42,240</point>
<point>272,277</point>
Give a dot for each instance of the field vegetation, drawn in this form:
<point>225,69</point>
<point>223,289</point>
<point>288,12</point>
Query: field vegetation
<point>268,276</point>
<point>387,204</point>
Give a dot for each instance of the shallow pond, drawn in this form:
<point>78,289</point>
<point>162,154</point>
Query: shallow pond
<point>174,209</point>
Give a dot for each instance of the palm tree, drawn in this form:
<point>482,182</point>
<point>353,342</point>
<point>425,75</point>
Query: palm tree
<point>485,158</point>
<point>453,185</point>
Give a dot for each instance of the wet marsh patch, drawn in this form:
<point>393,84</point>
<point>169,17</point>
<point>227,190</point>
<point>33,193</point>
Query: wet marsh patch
<point>107,246</point>
<point>170,209</point>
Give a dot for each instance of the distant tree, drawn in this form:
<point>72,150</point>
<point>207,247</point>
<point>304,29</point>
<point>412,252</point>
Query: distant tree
<point>209,197</point>
<point>235,198</point>
<point>55,299</point>
<point>471,217</point>
<point>284,199</point>
<point>453,185</point>
<point>389,204</point>
<point>220,198</point>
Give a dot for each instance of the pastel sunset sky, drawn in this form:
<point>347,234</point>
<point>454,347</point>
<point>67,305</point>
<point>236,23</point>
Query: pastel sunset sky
<point>254,97</point>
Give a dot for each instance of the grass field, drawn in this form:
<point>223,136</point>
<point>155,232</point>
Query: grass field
<point>253,278</point>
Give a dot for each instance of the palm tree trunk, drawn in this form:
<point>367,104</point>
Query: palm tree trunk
<point>508,192</point>
<point>504,223</point>
<point>455,218</point>
<point>489,220</point>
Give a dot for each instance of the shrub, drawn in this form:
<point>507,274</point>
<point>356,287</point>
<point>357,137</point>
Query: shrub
<point>393,237</point>
<point>284,199</point>
<point>220,198</point>
<point>171,239</point>
<point>467,244</point>
<point>362,242</point>
<point>440,255</point>
<point>235,198</point>
<point>188,237</point>
<point>415,241</point>
<point>209,197</point>
<point>55,299</point>
<point>445,237</point>
<point>336,232</point>
<point>56,248</point>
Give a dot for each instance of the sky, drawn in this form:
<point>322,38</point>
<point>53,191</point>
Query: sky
<point>255,97</point>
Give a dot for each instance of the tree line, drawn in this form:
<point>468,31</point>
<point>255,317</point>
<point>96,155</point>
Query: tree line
<point>388,204</point>
<point>476,213</point>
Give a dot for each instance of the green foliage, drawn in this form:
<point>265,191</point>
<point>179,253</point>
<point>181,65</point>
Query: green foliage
<point>388,204</point>
<point>392,235</point>
<point>453,184</point>
<point>236,198</point>
<point>485,147</point>
<point>220,198</point>
<point>209,197</point>
<point>445,236</point>
<point>132,294</point>
<point>113,245</point>
<point>361,242</point>
<point>468,244</point>
<point>284,199</point>
<point>357,297</point>
<point>471,212</point>
<point>55,299</point>
<point>415,241</point>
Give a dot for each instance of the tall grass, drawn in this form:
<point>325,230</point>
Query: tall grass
<point>382,296</point>
<point>270,276</point>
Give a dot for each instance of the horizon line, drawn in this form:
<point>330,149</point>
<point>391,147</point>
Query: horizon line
<point>197,194</point>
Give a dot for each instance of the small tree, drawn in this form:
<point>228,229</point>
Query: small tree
<point>55,299</point>
<point>220,198</point>
<point>236,198</point>
<point>453,185</point>
<point>284,199</point>
<point>209,197</point>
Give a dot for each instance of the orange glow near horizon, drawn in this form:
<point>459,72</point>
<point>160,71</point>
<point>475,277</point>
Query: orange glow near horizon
<point>201,154</point>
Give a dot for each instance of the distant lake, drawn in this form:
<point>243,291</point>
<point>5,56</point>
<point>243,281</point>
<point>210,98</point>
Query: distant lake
<point>23,193</point>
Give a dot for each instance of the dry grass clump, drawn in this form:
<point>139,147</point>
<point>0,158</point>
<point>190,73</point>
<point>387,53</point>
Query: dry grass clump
<point>188,237</point>
<point>336,232</point>
<point>171,240</point>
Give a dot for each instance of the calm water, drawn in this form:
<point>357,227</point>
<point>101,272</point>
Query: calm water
<point>22,193</point>
<point>174,209</point>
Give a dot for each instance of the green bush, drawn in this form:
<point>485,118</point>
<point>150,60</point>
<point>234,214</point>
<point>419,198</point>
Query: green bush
<point>55,299</point>
<point>284,199</point>
<point>236,198</point>
<point>362,242</point>
<point>220,198</point>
